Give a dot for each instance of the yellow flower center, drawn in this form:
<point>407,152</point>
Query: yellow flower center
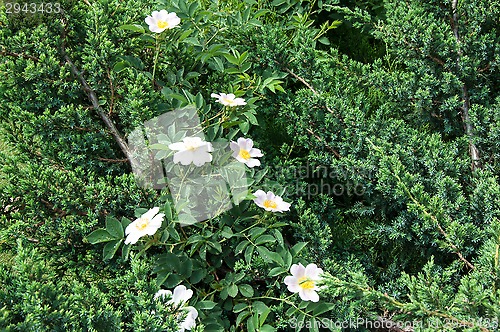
<point>162,24</point>
<point>142,224</point>
<point>244,154</point>
<point>230,102</point>
<point>270,204</point>
<point>306,283</point>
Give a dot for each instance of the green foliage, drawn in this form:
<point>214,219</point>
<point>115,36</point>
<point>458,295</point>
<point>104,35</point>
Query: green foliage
<point>37,295</point>
<point>365,111</point>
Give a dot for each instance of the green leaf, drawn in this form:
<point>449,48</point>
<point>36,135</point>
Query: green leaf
<point>199,100</point>
<point>278,2</point>
<point>218,64</point>
<point>114,227</point>
<point>232,59</point>
<point>240,307</point>
<point>260,307</point>
<point>173,233</point>
<point>232,290</point>
<point>172,280</point>
<point>270,256</point>
<point>267,328</point>
<point>322,308</point>
<point>197,276</point>
<point>125,222</point>
<point>205,305</point>
<point>244,127</point>
<point>241,246</point>
<point>265,239</point>
<point>276,271</point>
<point>253,120</point>
<point>297,248</point>
<point>193,7</point>
<point>313,325</point>
<point>110,249</point>
<point>324,41</point>
<point>132,27</point>
<point>242,315</point>
<point>246,290</point>
<point>263,316</point>
<point>216,246</point>
<point>248,254</point>
<point>99,235</point>
<point>251,325</point>
<point>186,267</point>
<point>168,211</point>
<point>256,232</point>
<point>126,251</point>
<point>186,219</point>
<point>120,66</point>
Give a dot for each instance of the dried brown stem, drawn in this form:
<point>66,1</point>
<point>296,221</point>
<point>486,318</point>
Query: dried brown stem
<point>310,131</point>
<point>469,128</point>
<point>95,103</point>
<point>18,55</point>
<point>309,86</point>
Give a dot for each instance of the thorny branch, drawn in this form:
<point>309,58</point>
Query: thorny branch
<point>3,51</point>
<point>469,129</point>
<point>95,102</point>
<point>309,86</point>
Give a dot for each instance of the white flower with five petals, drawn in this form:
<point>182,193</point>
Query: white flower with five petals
<point>304,281</point>
<point>244,152</point>
<point>228,99</point>
<point>192,150</point>
<point>147,224</point>
<point>270,202</point>
<point>161,20</point>
<point>179,298</point>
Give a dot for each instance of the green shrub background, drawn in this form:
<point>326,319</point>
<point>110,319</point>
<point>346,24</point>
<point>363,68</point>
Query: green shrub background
<point>377,100</point>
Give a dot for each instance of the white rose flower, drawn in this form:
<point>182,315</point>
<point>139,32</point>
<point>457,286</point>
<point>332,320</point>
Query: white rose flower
<point>270,202</point>
<point>192,150</point>
<point>147,224</point>
<point>190,320</point>
<point>228,99</point>
<point>244,152</point>
<point>179,298</point>
<point>304,281</point>
<point>161,20</point>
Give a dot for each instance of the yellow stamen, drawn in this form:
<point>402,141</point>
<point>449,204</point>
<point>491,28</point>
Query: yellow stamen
<point>306,283</point>
<point>142,224</point>
<point>162,24</point>
<point>230,102</point>
<point>244,154</point>
<point>270,204</point>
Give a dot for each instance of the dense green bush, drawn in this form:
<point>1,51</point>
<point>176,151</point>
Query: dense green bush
<point>378,121</point>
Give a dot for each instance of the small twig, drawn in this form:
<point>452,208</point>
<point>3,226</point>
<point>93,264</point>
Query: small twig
<point>322,141</point>
<point>418,50</point>
<point>18,55</point>
<point>309,86</point>
<point>113,160</point>
<point>469,128</point>
<point>111,126</point>
<point>61,213</point>
<point>112,101</point>
<point>302,80</point>
<point>95,102</point>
